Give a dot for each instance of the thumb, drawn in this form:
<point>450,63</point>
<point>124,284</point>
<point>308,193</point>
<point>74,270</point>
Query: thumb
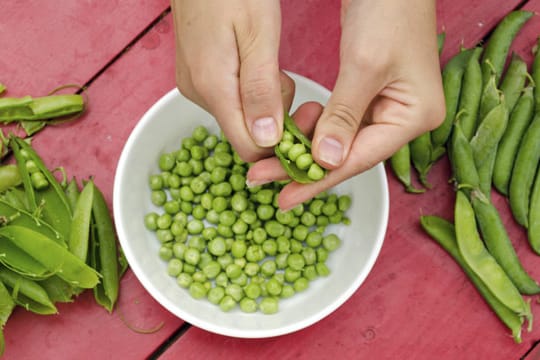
<point>343,115</point>
<point>260,85</point>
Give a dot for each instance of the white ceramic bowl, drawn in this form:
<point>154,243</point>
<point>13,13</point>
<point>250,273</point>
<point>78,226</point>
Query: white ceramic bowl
<point>160,130</point>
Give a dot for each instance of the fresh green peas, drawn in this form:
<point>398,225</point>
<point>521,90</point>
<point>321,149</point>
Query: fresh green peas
<point>230,243</point>
<point>167,162</point>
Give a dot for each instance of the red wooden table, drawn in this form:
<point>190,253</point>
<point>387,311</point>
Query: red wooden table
<point>415,304</point>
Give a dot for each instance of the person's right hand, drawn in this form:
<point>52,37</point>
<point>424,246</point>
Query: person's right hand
<point>227,63</point>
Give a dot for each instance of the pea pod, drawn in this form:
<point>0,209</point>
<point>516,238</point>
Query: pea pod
<point>452,78</point>
<point>462,160</point>
<point>421,156</point>
<point>443,232</point>
<point>499,245</point>
<point>514,80</point>
<point>523,172</point>
<point>72,193</point>
<point>519,119</point>
<point>15,197</point>
<point>51,255</point>
<point>489,133</point>
<point>400,163</point>
<point>53,202</point>
<point>471,94</point>
<point>80,225</point>
<point>105,257</point>
<point>533,231</point>
<point>482,262</point>
<point>496,50</point>
<point>535,74</point>
<point>59,290</point>
<point>295,173</point>
<point>27,293</point>
<point>9,177</point>
<point>6,308</point>
<point>491,97</point>
<point>40,108</point>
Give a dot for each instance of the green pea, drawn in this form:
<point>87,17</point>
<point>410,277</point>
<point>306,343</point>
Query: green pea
<point>156,182</point>
<point>248,305</point>
<point>217,246</point>
<point>215,294</point>
<point>227,303</point>
<point>197,290</point>
<point>174,267</point>
<point>158,197</point>
<point>167,162</point>
<point>184,280</point>
<point>265,212</point>
<point>150,221</point>
<point>210,142</point>
<point>269,305</point>
<point>301,284</point>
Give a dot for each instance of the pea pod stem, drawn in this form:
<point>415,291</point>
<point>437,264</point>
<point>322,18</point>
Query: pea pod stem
<point>443,232</point>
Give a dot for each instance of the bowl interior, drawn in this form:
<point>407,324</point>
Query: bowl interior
<point>161,130</point>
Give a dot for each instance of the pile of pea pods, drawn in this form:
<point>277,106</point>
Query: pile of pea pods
<point>491,135</point>
<point>56,239</point>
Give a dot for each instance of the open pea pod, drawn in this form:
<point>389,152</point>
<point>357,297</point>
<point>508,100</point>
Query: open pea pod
<point>40,108</point>
<point>51,202</point>
<point>51,255</point>
<point>15,259</point>
<point>27,293</point>
<point>290,167</point>
<point>59,290</point>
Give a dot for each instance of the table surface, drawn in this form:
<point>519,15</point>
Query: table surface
<point>415,304</point>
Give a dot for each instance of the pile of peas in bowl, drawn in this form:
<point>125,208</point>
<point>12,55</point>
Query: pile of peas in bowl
<point>230,243</point>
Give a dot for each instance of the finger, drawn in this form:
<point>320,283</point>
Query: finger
<point>336,129</point>
<point>268,170</point>
<point>288,88</point>
<point>260,88</point>
<point>370,148</point>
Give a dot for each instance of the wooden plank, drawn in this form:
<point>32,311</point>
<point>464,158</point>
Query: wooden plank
<point>91,147</point>
<point>416,303</point>
<point>45,44</point>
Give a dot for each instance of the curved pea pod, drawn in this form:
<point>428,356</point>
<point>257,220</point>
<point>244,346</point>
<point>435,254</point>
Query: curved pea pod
<point>496,50</point>
<point>443,232</point>
<point>482,262</point>
<point>27,293</point>
<point>523,172</point>
<point>400,162</point>
<point>51,255</point>
<point>499,245</point>
<point>519,119</point>
<point>80,225</point>
<point>489,133</point>
<point>452,78</point>
<point>53,203</point>
<point>290,167</point>
<point>533,231</point>
<point>421,156</point>
<point>471,94</point>
<point>104,257</point>
<point>9,177</point>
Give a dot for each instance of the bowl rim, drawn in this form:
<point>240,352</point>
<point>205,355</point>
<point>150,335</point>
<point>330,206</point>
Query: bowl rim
<point>154,292</point>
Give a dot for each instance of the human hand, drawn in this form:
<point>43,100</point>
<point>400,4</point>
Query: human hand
<point>227,63</point>
<point>388,91</point>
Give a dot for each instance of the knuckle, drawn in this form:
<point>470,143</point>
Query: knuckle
<point>257,89</point>
<point>434,112</point>
<point>344,117</point>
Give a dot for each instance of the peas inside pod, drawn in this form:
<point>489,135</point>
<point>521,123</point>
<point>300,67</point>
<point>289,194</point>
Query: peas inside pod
<point>229,243</point>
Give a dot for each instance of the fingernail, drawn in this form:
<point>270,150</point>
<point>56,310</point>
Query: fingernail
<point>265,131</point>
<point>330,151</point>
<point>254,183</point>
